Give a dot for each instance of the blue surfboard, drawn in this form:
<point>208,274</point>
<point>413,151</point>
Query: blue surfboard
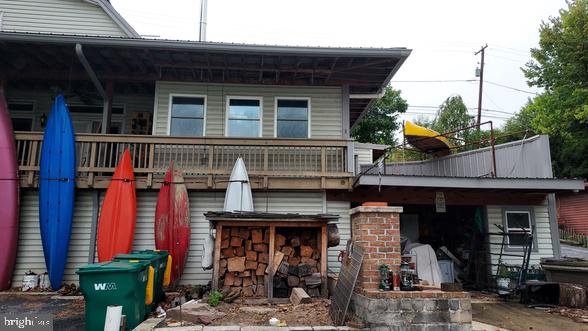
<point>56,189</point>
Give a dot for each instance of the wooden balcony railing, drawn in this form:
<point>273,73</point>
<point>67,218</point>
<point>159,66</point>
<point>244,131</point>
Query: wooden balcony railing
<point>206,162</point>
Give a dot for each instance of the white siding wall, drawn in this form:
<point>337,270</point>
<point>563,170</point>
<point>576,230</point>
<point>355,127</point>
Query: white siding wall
<point>543,234</point>
<point>43,101</point>
<point>57,16</point>
<point>364,155</point>
<point>325,103</point>
<point>30,251</point>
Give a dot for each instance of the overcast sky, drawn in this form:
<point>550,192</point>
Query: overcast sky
<point>442,34</point>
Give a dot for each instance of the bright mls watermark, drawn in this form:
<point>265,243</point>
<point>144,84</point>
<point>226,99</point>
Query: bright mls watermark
<point>26,322</point>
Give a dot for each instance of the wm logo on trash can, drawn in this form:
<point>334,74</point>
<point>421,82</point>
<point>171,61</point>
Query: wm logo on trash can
<point>105,286</point>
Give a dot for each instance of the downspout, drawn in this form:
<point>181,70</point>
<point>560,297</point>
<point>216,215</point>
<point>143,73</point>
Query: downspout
<point>98,85</point>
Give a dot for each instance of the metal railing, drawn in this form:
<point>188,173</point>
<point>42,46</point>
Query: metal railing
<point>98,154</point>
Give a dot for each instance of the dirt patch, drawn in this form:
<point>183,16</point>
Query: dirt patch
<point>315,313</point>
<point>576,314</point>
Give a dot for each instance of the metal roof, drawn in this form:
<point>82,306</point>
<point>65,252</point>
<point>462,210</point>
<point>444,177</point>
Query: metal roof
<point>533,184</point>
<point>36,57</point>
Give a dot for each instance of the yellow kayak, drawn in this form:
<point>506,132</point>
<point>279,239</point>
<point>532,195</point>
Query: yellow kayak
<point>426,140</point>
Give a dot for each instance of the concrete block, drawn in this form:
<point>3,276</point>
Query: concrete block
<point>393,305</point>
<point>460,327</point>
<point>300,328</point>
<point>149,324</point>
<point>418,305</point>
<point>377,305</point>
<point>461,316</point>
<point>324,328</point>
<point>466,304</point>
<point>264,328</point>
<point>432,317</point>
<point>406,304</point>
<point>454,304</point>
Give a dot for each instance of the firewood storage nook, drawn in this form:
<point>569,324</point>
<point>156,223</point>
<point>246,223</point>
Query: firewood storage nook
<point>269,254</point>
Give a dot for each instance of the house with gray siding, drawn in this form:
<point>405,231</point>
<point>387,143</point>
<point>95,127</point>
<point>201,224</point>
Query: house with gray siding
<point>204,104</point>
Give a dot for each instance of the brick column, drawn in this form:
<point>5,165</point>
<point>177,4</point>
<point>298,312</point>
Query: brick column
<point>377,230</point>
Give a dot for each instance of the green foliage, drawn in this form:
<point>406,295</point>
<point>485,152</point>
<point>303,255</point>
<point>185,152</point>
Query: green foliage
<point>215,298</point>
<point>381,121</point>
<point>451,116</point>
<point>560,66</point>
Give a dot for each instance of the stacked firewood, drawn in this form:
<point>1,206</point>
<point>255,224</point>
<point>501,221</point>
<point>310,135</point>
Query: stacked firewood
<point>244,259</point>
<point>300,263</point>
<point>244,262</point>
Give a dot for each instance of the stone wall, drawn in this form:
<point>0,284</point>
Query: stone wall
<point>427,310</point>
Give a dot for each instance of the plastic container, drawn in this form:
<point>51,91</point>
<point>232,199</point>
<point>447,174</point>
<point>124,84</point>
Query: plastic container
<point>158,260</point>
<point>122,283</point>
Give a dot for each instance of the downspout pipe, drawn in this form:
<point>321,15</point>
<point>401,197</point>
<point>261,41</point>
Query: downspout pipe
<point>97,84</point>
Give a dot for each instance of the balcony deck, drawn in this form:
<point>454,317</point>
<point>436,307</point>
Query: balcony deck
<point>206,162</point>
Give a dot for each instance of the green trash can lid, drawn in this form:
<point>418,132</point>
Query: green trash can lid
<point>114,266</point>
<point>160,252</point>
<point>135,256</point>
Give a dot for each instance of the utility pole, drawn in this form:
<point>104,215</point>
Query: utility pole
<point>481,51</point>
<point>203,14</point>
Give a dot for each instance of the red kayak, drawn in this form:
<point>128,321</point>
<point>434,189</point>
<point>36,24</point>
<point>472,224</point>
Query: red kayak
<point>116,225</point>
<point>9,194</point>
<point>172,220</point>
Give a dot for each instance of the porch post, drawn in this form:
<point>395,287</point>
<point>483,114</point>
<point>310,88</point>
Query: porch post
<point>377,230</point>
<point>107,108</point>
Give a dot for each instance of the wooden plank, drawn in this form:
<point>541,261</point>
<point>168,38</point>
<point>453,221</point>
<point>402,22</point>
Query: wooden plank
<point>217,245</point>
<point>271,272</point>
<point>324,258</point>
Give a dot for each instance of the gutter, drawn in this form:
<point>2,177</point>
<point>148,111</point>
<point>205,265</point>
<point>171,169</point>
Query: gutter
<point>97,84</point>
<point>399,52</point>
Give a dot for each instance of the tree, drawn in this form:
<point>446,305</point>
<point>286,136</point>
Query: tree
<point>380,123</point>
<point>560,66</point>
<point>451,116</point>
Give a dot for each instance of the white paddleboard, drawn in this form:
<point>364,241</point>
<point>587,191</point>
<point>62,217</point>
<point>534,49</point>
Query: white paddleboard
<point>238,196</point>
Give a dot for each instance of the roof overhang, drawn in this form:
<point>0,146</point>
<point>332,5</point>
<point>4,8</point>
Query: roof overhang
<point>485,183</point>
<point>38,57</point>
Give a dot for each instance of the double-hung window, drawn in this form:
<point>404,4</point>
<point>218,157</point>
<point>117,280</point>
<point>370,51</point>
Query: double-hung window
<point>292,118</point>
<point>187,116</point>
<point>244,117</point>
<point>517,222</point>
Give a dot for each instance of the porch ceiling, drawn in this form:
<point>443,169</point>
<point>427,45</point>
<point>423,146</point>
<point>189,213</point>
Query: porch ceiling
<point>41,57</point>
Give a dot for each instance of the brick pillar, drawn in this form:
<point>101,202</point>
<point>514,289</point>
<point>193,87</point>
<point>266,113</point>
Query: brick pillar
<point>377,230</point>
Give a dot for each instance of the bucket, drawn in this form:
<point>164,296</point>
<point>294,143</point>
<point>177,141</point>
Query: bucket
<point>44,281</point>
<point>30,280</point>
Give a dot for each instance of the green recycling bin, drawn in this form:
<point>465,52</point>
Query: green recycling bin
<point>115,283</point>
<point>158,260</point>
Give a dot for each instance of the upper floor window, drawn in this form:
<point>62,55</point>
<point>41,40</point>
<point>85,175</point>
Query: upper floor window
<point>517,222</point>
<point>292,118</point>
<point>244,117</point>
<point>187,115</point>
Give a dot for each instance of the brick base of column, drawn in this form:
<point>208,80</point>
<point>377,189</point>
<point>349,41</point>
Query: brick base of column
<point>377,230</point>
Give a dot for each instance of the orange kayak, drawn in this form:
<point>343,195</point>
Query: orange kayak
<point>116,225</point>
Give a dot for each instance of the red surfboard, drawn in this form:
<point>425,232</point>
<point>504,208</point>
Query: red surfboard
<point>116,225</point>
<point>172,220</point>
<point>9,194</point>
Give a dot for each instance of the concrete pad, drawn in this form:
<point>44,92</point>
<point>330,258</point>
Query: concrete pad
<point>479,326</point>
<point>181,328</point>
<point>264,328</point>
<point>222,328</point>
<point>195,312</point>
<point>324,328</point>
<point>149,324</point>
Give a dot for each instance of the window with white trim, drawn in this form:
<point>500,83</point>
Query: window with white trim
<point>292,118</point>
<point>517,221</point>
<point>244,117</point>
<point>187,116</point>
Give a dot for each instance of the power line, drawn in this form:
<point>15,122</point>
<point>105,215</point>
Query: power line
<point>511,88</point>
